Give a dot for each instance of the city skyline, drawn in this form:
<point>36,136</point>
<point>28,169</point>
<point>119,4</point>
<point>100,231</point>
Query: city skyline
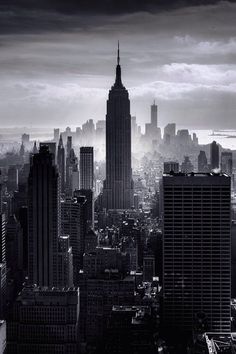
<point>117,177</point>
<point>53,63</point>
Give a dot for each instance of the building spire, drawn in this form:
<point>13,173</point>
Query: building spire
<point>118,82</point>
<point>118,53</point>
<point>60,141</point>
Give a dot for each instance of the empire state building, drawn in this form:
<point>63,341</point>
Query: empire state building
<point>118,186</point>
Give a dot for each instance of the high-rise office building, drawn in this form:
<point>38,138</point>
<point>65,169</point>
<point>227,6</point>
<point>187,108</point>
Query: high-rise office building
<point>102,293</point>
<point>3,271</point>
<point>152,131</point>
<point>51,148</point>
<point>0,191</point>
<point>25,138</point>
<point>68,145</point>
<point>74,224</point>
<point>227,162</point>
<point>233,259</point>
<point>3,290</point>
<point>35,149</point>
<point>187,166</point>
<point>215,157</point>
<point>3,222</point>
<point>56,134</point>
<point>86,167</point>
<point>118,186</point>
<point>171,166</point>
<point>154,115</point>
<point>183,137</point>
<point>22,151</point>
<point>202,162</point>
<point>61,163</point>
<point>14,248</point>
<point>45,320</point>
<point>169,133</point>
<point>12,178</point>
<point>71,168</point>
<point>196,251</point>
<point>44,219</point>
<point>88,194</point>
<point>65,262</point>
<point>2,336</point>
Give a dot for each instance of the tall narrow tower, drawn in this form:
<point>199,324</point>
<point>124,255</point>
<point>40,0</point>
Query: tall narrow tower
<point>44,219</point>
<point>86,167</point>
<point>154,115</point>
<point>61,163</point>
<point>118,186</point>
<point>215,155</point>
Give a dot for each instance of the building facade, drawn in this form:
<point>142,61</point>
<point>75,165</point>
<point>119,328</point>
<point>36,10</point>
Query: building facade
<point>86,167</point>
<point>196,250</point>
<point>44,320</point>
<point>43,219</point>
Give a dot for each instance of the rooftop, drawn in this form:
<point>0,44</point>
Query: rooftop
<point>197,174</point>
<point>224,343</point>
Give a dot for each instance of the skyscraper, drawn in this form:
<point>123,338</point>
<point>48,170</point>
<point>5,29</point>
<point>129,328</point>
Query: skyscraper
<point>154,115</point>
<point>73,223</point>
<point>187,166</point>
<point>3,271</point>
<point>45,321</point>
<point>51,148</point>
<point>202,162</point>
<point>215,159</point>
<point>118,186</point>
<point>72,175</point>
<point>227,162</point>
<point>196,251</point>
<point>61,163</point>
<point>169,133</point>
<point>2,230</point>
<point>44,219</point>
<point>86,167</point>
<point>56,134</point>
<point>12,178</point>
<point>171,166</point>
<point>152,132</point>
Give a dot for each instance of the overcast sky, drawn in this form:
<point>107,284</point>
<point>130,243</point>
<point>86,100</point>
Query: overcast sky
<point>57,62</point>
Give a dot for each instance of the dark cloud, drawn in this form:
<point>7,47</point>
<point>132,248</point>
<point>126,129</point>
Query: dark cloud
<point>107,6</point>
<point>34,16</point>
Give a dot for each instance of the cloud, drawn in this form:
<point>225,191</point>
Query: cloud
<point>58,67</point>
<point>211,75</point>
<point>105,6</point>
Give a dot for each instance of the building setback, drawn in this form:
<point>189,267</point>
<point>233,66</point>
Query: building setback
<point>118,186</point>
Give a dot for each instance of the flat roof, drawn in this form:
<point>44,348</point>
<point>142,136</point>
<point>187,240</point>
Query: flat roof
<point>197,174</point>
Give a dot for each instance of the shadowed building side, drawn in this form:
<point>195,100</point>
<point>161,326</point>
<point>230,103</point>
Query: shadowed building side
<point>44,219</point>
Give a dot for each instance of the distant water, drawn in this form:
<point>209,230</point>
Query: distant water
<point>226,138</point>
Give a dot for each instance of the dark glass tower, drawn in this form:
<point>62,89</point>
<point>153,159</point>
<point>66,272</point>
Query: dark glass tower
<point>196,251</point>
<point>44,219</point>
<point>118,186</point>
<point>86,167</point>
